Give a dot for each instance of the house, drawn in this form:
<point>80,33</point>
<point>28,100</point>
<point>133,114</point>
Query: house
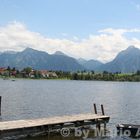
<point>3,71</point>
<point>53,74</point>
<point>32,74</point>
<point>47,74</point>
<point>44,73</point>
<point>13,73</point>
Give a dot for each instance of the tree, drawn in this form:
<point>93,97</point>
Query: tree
<point>9,71</point>
<point>75,76</point>
<point>37,74</point>
<point>14,69</point>
<point>27,70</point>
<point>92,72</point>
<point>138,72</point>
<point>8,68</point>
<point>105,72</point>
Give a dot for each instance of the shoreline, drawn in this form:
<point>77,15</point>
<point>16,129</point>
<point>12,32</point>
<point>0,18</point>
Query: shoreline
<point>66,79</point>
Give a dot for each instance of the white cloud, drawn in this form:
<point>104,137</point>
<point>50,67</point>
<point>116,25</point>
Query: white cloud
<point>118,31</point>
<point>104,47</point>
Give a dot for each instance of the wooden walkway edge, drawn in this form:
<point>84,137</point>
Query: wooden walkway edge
<point>27,127</point>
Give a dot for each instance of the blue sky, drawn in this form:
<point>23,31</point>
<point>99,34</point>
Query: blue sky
<point>73,19</point>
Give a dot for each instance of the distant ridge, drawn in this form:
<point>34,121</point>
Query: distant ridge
<point>59,53</point>
<point>90,64</point>
<point>127,61</point>
<point>39,60</point>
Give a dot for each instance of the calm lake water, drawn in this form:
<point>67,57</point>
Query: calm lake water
<point>27,99</point>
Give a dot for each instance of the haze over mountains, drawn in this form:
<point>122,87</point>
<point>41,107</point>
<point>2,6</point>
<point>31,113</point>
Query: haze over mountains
<point>125,62</point>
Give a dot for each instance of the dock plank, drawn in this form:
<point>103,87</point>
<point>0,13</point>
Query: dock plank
<point>18,124</point>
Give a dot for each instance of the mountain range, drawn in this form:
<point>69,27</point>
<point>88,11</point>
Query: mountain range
<point>90,64</point>
<point>126,61</point>
<point>39,60</point>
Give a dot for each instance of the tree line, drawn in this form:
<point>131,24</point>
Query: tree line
<point>79,75</point>
<point>102,76</point>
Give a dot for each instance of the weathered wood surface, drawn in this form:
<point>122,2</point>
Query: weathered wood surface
<point>18,124</point>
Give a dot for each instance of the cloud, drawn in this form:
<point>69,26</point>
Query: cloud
<point>118,31</point>
<point>103,46</point>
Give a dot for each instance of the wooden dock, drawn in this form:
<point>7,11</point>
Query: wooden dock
<point>23,128</point>
<point>28,127</point>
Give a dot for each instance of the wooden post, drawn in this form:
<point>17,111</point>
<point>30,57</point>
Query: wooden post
<point>104,125</point>
<point>95,108</point>
<point>98,126</point>
<point>102,108</point>
<point>0,105</point>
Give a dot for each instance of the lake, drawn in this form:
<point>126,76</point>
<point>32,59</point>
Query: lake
<point>27,99</point>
